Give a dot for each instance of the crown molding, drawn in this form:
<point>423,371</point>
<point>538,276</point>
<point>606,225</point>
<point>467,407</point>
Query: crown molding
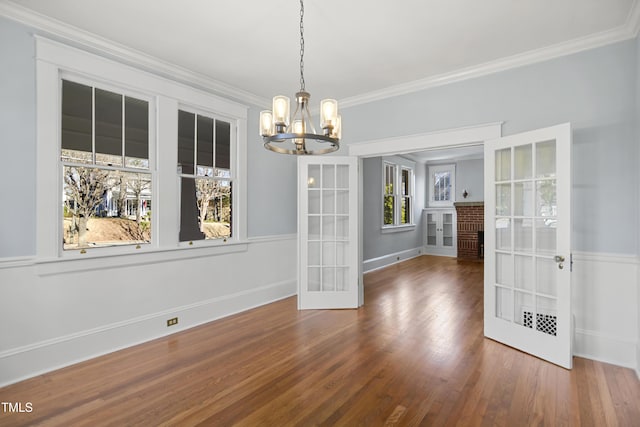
<point>628,30</point>
<point>88,41</point>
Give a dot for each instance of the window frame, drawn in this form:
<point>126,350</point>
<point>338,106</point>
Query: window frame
<point>53,60</point>
<point>433,169</point>
<point>233,176</point>
<point>150,169</point>
<point>398,166</point>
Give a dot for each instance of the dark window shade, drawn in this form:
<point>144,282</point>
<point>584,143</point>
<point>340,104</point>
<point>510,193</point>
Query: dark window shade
<point>205,141</point>
<point>136,128</point>
<point>189,226</point>
<point>108,122</point>
<point>223,144</point>
<point>76,116</point>
<point>186,138</point>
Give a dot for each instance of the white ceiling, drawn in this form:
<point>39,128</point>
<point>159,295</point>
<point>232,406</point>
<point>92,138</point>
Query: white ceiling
<point>353,47</point>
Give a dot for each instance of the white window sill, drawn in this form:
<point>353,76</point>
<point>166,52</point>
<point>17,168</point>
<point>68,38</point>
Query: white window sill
<point>397,228</point>
<point>145,255</point>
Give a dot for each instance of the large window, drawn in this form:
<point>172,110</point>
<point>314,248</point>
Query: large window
<point>113,135</point>
<point>398,194</point>
<point>205,168</point>
<point>106,174</point>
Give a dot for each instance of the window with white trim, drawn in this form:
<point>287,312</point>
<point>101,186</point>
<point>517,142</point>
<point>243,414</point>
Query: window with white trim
<point>107,133</point>
<point>106,168</point>
<point>442,185</point>
<point>398,194</point>
<point>206,175</point>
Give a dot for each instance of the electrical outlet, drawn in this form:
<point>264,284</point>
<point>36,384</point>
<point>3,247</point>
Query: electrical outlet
<point>172,321</point>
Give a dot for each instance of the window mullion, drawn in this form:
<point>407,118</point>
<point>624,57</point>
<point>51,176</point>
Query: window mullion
<point>124,114</point>
<point>394,191</point>
<point>93,125</point>
<point>195,145</point>
<point>213,150</point>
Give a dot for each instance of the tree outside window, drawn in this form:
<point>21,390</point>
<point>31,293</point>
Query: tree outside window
<point>206,175</point>
<point>397,198</point>
<point>105,168</point>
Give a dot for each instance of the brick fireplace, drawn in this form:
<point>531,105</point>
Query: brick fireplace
<point>470,219</point>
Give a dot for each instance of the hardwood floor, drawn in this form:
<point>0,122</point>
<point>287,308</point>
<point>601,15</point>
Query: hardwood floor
<point>413,355</point>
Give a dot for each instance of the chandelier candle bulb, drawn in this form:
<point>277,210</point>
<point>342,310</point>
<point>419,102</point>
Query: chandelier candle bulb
<point>298,127</point>
<point>328,113</point>
<point>266,123</point>
<point>281,106</point>
<point>337,128</point>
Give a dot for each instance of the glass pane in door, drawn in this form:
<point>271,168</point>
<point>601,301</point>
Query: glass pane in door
<point>447,229</point>
<point>431,229</point>
<point>503,164</point>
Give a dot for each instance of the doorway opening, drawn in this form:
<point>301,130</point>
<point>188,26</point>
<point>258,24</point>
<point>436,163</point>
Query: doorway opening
<point>431,148</point>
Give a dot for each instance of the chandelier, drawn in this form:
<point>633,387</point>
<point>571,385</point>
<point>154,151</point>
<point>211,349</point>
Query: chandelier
<point>296,134</point>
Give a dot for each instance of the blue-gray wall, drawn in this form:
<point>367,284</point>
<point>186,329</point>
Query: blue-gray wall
<point>272,201</point>
<point>470,177</point>
<point>271,186</point>
<point>18,141</point>
<point>375,243</point>
<point>594,90</point>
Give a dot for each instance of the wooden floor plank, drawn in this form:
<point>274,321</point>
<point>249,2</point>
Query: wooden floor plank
<point>413,355</point>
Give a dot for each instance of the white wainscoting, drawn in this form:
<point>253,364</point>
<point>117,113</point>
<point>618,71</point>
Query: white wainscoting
<point>48,321</point>
<point>390,259</point>
<point>605,305</point>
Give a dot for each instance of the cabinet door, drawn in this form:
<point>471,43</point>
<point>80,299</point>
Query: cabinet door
<point>432,227</point>
<point>446,228</point>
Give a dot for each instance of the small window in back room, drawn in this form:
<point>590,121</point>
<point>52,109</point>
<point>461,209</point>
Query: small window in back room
<point>398,193</point>
<point>442,185</point>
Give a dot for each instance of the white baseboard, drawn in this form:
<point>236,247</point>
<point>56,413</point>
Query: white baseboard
<point>25,362</point>
<point>390,259</point>
<point>606,349</point>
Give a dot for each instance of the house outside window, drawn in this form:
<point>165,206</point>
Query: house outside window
<point>442,185</point>
<point>107,133</point>
<point>106,169</point>
<point>398,193</point>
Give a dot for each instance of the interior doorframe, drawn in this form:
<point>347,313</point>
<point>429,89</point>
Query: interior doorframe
<point>448,138</point>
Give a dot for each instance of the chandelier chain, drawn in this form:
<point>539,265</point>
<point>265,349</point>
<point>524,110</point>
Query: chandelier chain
<point>302,46</point>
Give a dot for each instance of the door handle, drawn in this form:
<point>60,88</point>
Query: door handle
<point>560,260</point>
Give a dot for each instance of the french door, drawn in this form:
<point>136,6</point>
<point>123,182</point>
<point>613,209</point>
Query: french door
<point>527,275</point>
<point>328,274</point>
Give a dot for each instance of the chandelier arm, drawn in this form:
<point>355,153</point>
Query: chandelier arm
<point>274,142</point>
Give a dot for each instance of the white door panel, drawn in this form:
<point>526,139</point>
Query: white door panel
<point>327,232</point>
<point>528,242</point>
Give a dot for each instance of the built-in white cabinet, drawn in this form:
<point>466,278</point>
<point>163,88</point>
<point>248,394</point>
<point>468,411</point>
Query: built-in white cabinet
<point>440,231</point>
